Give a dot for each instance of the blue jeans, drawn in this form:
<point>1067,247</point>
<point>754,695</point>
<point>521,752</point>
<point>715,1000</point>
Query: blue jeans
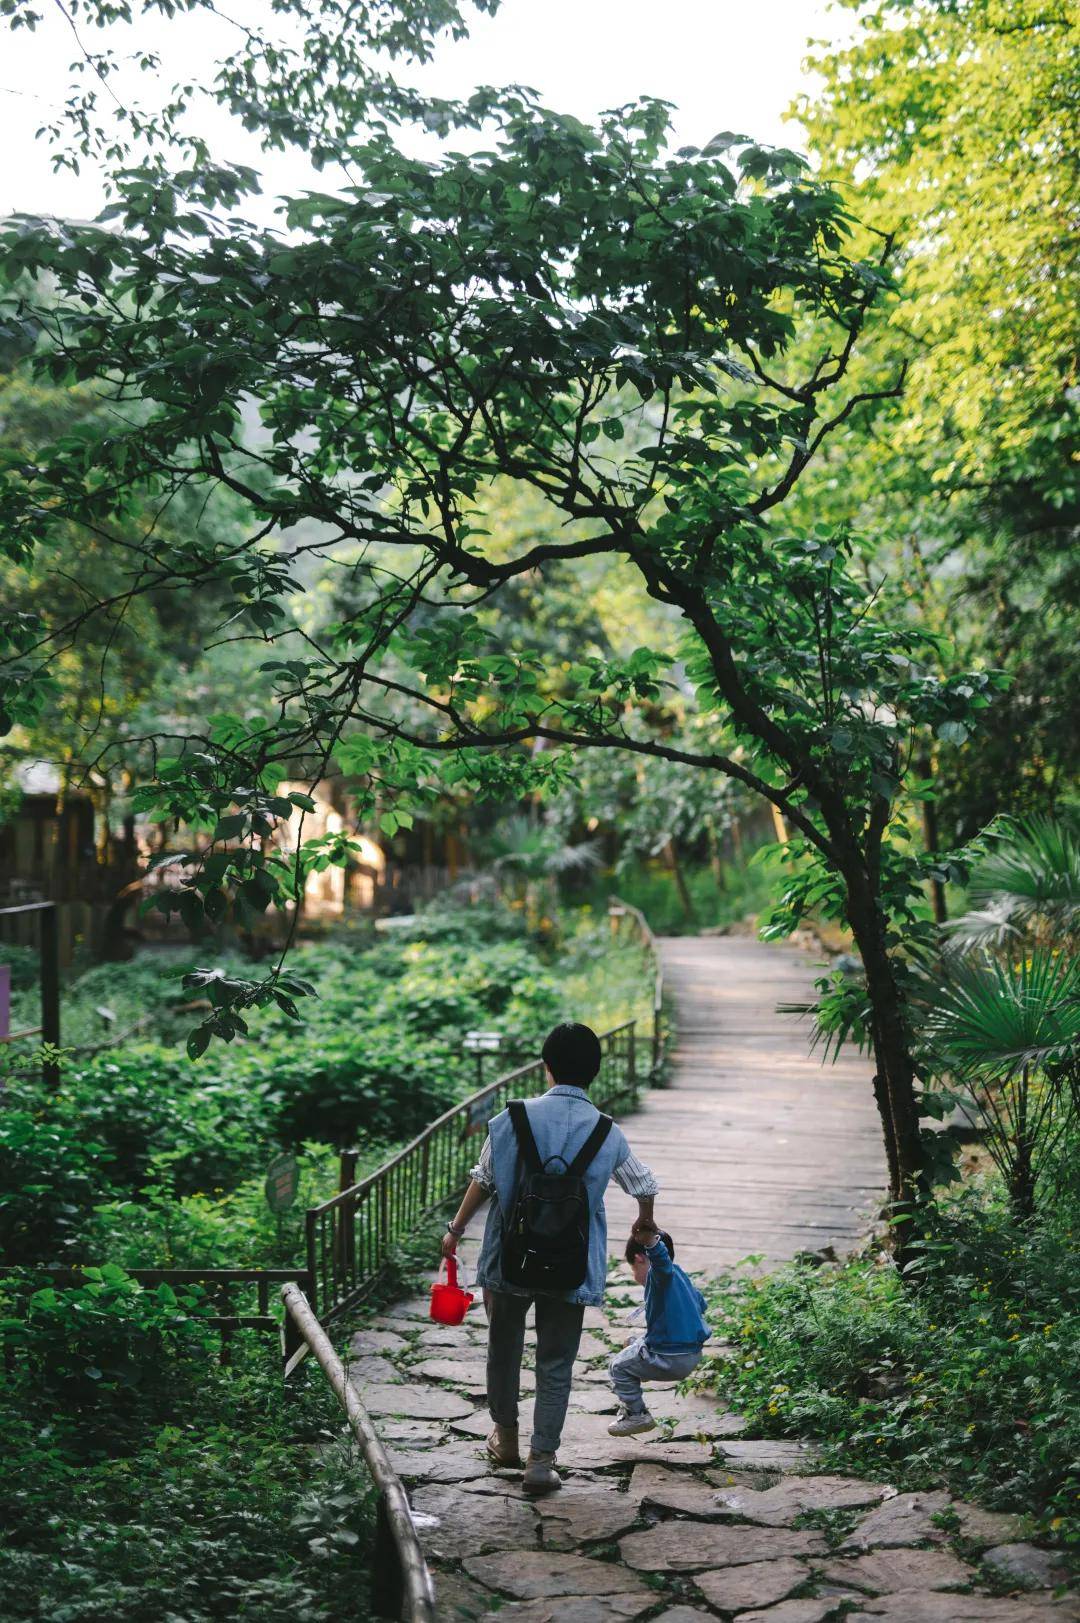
<point>639,1362</point>
<point>558,1332</point>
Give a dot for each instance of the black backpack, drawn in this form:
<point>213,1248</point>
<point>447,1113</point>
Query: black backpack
<point>546,1246</point>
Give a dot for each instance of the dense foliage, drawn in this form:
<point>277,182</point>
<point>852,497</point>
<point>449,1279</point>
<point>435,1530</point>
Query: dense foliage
<point>146,1157</point>
<point>143,1480</point>
<point>969,1380</point>
<point>959,127</point>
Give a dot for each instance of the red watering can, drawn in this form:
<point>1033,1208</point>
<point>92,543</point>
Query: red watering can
<point>449,1303</point>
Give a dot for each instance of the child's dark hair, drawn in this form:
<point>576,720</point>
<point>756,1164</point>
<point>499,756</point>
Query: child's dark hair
<point>572,1054</point>
<point>634,1248</point>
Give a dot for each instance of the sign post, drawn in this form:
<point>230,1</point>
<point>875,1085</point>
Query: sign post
<point>481,1043</point>
<point>281,1188</point>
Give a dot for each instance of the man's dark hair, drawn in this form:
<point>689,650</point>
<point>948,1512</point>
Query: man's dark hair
<point>634,1248</point>
<point>572,1054</point>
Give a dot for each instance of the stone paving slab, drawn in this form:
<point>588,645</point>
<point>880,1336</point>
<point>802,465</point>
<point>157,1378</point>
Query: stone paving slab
<point>779,1506</point>
<point>574,1609</point>
<point>678,1546</point>
<point>907,1518</point>
<point>1027,1563</point>
<point>543,1575</point>
<point>934,1607</point>
<point>449,1522</point>
<point>446,1464</point>
<point>413,1402</point>
<point>758,1583</point>
<point>764,1454</point>
<point>887,1572</point>
<point>582,1512</point>
<point>792,1611</point>
<point>674,1490</point>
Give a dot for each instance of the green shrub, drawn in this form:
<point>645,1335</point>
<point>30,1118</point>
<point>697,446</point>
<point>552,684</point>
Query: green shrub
<point>96,1345</point>
<point>159,1228</point>
<point>240,1506</point>
<point>968,1378</point>
<point>52,1171</point>
<point>24,963</point>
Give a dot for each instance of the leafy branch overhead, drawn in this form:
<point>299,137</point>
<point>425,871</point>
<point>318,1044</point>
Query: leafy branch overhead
<point>654,346</point>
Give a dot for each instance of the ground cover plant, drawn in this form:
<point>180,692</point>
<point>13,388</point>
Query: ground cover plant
<point>192,1492</point>
<point>967,1379</point>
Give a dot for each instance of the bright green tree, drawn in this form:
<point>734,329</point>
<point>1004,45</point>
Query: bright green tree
<point>959,126</point>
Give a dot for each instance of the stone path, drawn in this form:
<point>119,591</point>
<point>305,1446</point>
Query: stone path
<point>690,1522</point>
<point>759,1150</point>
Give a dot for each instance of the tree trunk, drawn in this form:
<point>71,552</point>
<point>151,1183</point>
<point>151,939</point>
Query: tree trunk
<point>894,1081</point>
<point>780,828</point>
<point>671,856</point>
<point>930,841</point>
<point>714,855</point>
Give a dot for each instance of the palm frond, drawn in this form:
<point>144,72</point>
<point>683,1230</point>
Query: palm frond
<point>991,1021</point>
<point>985,930</point>
<point>1032,870</point>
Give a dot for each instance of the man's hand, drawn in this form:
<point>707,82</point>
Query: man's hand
<point>449,1244</point>
<point>645,1231</point>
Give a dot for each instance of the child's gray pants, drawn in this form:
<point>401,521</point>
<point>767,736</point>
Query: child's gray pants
<point>638,1363</point>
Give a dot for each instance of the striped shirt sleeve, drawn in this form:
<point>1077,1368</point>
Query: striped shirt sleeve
<point>482,1172</point>
<point>635,1178</point>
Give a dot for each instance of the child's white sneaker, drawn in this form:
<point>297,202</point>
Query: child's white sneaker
<point>629,1421</point>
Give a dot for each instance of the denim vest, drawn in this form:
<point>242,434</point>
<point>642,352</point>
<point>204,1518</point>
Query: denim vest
<point>561,1120</point>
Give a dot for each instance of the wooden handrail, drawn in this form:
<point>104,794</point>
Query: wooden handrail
<point>409,1593</point>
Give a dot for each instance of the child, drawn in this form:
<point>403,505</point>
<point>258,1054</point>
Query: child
<point>674,1328</point>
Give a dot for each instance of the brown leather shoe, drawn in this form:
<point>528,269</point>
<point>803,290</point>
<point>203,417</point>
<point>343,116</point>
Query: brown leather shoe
<point>502,1447</point>
<point>540,1475</point>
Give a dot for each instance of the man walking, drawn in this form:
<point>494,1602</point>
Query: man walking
<point>565,1125</point>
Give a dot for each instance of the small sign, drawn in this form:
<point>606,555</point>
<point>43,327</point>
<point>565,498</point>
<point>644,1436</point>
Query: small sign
<point>282,1182</point>
<point>482,1042</point>
<point>480,1113</point>
<point>5,1000</point>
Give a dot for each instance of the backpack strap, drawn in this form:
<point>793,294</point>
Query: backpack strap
<point>519,1121</point>
<point>588,1150</point>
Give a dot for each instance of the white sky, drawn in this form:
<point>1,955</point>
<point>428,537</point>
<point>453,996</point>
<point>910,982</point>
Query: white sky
<point>727,64</point>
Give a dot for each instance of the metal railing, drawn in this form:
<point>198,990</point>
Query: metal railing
<point>617,911</point>
<point>401,1582</point>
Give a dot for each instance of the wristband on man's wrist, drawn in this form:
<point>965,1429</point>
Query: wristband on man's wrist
<point>459,1234</point>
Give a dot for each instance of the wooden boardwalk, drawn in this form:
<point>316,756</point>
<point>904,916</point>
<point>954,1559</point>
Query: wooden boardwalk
<point>759,1148</point>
